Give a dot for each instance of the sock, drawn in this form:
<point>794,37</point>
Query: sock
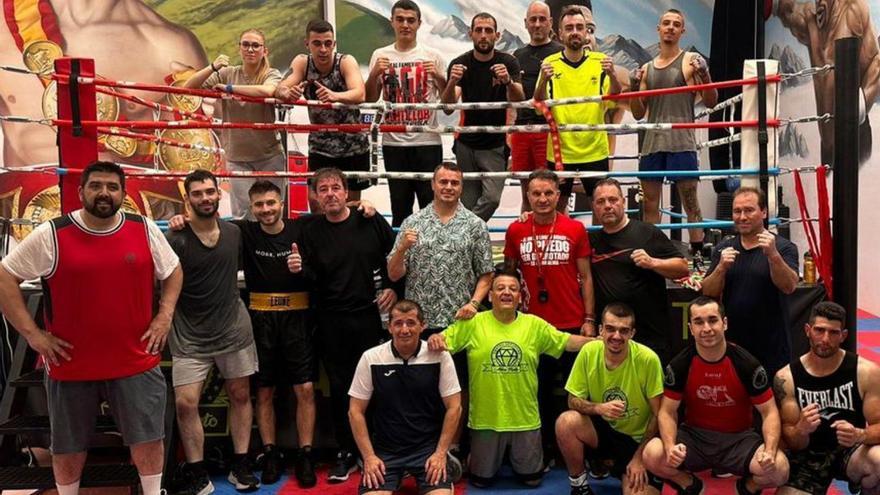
<point>151,483</point>
<point>697,247</point>
<point>237,458</point>
<point>579,480</point>
<point>71,489</point>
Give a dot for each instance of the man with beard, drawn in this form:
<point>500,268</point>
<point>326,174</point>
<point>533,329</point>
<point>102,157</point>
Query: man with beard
<point>528,150</point>
<point>720,386</point>
<point>614,395</point>
<point>671,149</point>
<point>829,399</point>
<point>631,261</point>
<point>102,339</point>
<point>753,273</point>
<point>343,255</point>
<point>211,326</point>
<point>578,71</point>
<point>482,74</point>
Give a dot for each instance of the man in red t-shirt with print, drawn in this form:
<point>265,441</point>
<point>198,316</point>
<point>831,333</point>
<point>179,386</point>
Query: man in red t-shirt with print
<point>553,253</point>
<point>719,383</point>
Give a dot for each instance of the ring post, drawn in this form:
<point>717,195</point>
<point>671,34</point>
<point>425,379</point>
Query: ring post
<point>77,144</point>
<point>846,181</point>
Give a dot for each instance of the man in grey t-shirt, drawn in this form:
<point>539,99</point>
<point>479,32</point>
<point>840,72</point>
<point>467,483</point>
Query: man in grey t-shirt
<point>211,326</point>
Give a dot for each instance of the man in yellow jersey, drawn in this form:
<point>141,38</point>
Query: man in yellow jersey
<point>578,71</point>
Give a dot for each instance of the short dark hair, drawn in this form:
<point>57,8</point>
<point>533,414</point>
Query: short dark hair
<point>318,26</point>
<point>830,311</point>
<point>104,167</point>
<point>544,174</point>
<point>484,15</point>
<point>620,310</point>
<point>674,11</point>
<point>571,10</point>
<point>451,166</point>
<point>704,301</point>
<point>762,198</point>
<point>199,175</point>
<point>326,173</point>
<point>502,270</point>
<point>407,305</point>
<point>263,186</point>
<point>407,5</point>
<point>608,181</point>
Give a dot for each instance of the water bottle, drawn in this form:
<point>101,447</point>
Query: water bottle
<point>809,270</point>
<point>377,283</point>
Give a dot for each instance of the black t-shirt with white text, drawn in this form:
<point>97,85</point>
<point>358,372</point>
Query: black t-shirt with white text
<point>479,84</point>
<point>264,256</point>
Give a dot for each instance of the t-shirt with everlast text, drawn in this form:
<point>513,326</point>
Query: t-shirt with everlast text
<point>264,257</point>
<point>479,84</point>
<point>530,58</point>
<point>210,318</point>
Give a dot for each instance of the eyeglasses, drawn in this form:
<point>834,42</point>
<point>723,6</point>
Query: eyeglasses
<point>246,45</point>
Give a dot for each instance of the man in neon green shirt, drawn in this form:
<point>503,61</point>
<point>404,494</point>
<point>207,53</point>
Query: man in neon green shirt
<point>614,395</point>
<point>503,347</point>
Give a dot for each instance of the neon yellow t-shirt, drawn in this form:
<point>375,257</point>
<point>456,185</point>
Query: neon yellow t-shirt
<point>637,379</point>
<point>582,79</point>
<point>503,367</point>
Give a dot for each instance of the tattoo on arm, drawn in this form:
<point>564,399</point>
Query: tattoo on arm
<point>779,388</point>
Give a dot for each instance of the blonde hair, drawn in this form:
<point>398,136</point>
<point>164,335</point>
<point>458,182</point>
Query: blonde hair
<point>264,66</point>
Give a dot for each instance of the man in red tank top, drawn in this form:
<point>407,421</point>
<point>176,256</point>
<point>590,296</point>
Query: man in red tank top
<point>101,339</point>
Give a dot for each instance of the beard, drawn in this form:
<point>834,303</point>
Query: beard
<point>484,51</point>
<point>102,207</point>
<point>197,209</point>
<point>575,44</point>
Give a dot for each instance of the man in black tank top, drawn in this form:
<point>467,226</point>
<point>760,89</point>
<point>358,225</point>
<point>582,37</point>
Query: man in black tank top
<point>829,399</point>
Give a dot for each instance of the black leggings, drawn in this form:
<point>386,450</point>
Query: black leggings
<point>403,191</point>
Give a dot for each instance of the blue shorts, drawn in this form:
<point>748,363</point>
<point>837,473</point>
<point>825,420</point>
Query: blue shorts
<point>662,161</point>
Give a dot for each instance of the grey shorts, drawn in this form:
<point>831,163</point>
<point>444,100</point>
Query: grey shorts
<point>487,453</point>
<point>137,404</point>
<point>728,452</point>
<point>237,364</point>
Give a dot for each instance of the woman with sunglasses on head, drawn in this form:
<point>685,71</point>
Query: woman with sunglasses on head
<point>247,150</point>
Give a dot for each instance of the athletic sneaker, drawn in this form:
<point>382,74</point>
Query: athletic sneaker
<point>695,488</point>
<point>303,468</point>
<point>454,469</point>
<point>242,476</point>
<point>272,462</point>
<point>190,483</point>
<point>582,490</point>
<point>342,469</point>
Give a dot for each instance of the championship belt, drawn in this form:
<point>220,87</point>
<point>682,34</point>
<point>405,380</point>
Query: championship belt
<point>279,301</point>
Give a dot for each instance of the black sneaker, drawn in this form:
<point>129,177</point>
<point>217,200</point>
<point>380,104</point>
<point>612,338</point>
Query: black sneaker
<point>242,476</point>
<point>599,470</point>
<point>190,483</point>
<point>454,469</point>
<point>272,462</point>
<point>742,489</point>
<point>303,469</point>
<point>695,488</point>
<point>582,490</point>
<point>342,469</point>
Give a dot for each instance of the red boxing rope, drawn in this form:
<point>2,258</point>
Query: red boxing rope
<point>155,139</point>
<point>205,93</point>
<point>353,128</point>
<point>773,78</point>
<point>155,105</point>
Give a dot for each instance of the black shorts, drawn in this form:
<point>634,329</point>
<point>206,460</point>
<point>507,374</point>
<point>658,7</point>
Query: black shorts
<point>354,163</point>
<point>618,448</point>
<point>728,452</point>
<point>566,185</point>
<point>397,466</point>
<point>285,347</point>
<point>813,471</point>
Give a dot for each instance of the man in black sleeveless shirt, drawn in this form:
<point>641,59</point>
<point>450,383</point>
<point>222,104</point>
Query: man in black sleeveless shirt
<point>830,404</point>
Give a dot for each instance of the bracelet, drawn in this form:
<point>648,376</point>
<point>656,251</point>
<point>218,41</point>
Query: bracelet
<point>229,88</point>
<point>475,304</point>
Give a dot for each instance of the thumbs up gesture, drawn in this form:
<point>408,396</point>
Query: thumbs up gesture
<point>294,260</point>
